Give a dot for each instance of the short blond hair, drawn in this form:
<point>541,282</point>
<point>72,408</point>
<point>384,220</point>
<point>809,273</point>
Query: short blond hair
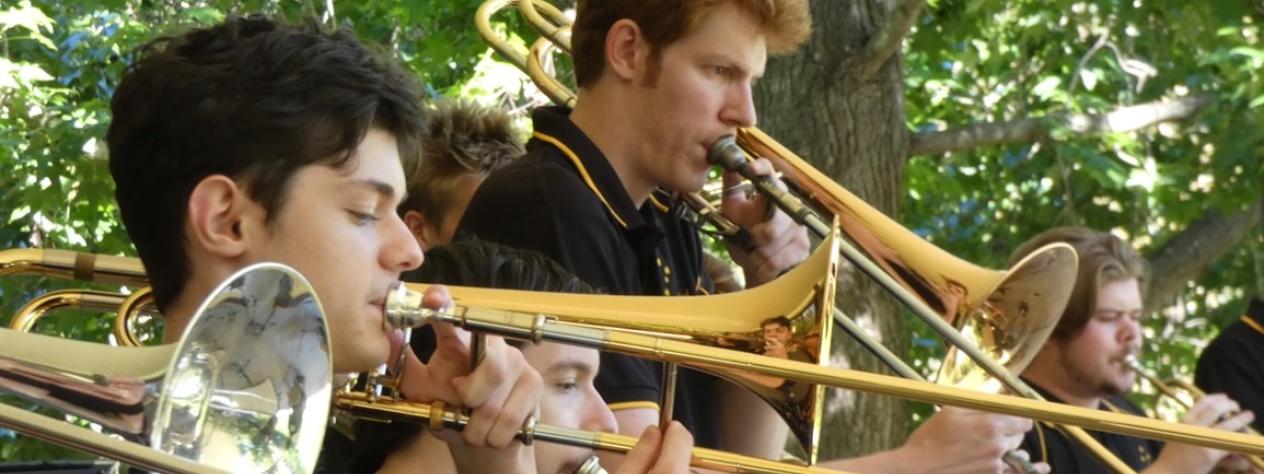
<point>460,138</point>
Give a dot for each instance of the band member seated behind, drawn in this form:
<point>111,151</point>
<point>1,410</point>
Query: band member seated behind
<point>462,143</point>
<point>1234,362</point>
<point>569,399</point>
<point>255,141</point>
<point>1085,363</point>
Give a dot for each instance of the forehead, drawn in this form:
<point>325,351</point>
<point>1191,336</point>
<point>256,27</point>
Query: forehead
<point>725,30</point>
<point>546,354</point>
<point>1119,295</point>
<point>376,158</point>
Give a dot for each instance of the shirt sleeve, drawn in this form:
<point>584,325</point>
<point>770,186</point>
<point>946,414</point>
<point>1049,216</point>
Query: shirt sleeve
<point>1230,366</point>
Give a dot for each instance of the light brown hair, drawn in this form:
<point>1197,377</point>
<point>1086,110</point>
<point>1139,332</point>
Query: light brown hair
<point>459,138</point>
<point>1104,258</point>
<point>785,23</point>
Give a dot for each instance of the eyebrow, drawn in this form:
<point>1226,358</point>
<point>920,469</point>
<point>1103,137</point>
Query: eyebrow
<point>380,187</point>
<point>570,364</point>
<point>729,61</point>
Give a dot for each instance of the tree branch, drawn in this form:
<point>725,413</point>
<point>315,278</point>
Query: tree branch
<point>1028,130</point>
<point>1188,254</point>
<point>887,40</point>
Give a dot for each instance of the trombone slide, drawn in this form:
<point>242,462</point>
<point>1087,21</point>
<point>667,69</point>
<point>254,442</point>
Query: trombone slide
<point>361,405</point>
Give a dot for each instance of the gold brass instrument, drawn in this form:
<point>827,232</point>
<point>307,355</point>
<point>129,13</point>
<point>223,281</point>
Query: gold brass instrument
<point>245,389</point>
<point>129,309</point>
<point>363,404</point>
<point>1006,315</point>
<point>68,265</point>
<point>1172,390</point>
<point>595,321</point>
<point>65,264</point>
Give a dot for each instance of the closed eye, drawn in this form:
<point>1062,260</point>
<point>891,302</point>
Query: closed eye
<point>362,219</point>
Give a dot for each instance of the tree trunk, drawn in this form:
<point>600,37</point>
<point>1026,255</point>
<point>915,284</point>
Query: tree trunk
<point>853,129</point>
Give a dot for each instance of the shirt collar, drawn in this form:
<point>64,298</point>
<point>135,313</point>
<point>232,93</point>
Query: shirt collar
<point>553,127</point>
<point>1256,310</point>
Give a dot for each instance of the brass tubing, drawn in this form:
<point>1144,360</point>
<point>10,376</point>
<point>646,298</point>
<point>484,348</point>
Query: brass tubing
<point>71,436</point>
<point>26,317</point>
<point>530,326</point>
<point>757,143</point>
<point>1195,392</point>
<point>360,405</point>
<point>69,265</point>
<point>128,312</point>
<point>555,28</point>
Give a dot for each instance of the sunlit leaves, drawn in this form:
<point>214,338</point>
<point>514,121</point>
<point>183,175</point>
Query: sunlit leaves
<point>993,60</point>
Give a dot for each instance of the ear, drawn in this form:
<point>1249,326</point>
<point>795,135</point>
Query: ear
<point>627,52</point>
<point>222,219</point>
<point>420,228</point>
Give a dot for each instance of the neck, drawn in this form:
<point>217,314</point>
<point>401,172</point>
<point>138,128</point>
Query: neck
<point>609,131</point>
<point>178,314</point>
<point>1047,373</point>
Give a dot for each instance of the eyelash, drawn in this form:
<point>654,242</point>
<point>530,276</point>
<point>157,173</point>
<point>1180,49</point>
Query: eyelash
<point>567,386</point>
<point>363,219</point>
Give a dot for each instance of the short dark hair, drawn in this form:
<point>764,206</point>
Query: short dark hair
<point>479,263</point>
<point>782,320</point>
<point>1103,258</point>
<point>470,262</point>
<point>460,137</point>
<point>254,100</point>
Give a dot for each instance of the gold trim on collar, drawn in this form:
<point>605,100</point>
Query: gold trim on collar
<point>1044,447</point>
<point>1254,325</point>
<point>633,405</point>
<point>583,173</point>
<point>659,205</point>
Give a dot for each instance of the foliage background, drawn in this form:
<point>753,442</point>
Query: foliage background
<point>964,61</point>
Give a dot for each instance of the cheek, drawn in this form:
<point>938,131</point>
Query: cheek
<point>558,410</point>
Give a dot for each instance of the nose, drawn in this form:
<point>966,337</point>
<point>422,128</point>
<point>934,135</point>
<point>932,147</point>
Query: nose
<point>1130,331</point>
<point>596,415</point>
<point>400,251</point>
<point>739,106</point>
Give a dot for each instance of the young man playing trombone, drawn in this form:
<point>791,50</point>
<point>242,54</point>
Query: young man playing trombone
<point>659,82</point>
<point>256,141</point>
<point>1089,362</point>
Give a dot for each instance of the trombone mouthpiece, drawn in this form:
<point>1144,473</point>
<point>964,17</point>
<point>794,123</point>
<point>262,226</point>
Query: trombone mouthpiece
<point>403,308</point>
<point>727,154</point>
<point>1131,361</point>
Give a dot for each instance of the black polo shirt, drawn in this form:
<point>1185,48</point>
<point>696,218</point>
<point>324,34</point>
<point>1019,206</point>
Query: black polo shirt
<point>1065,456</point>
<point>1233,363</point>
<point>564,199</point>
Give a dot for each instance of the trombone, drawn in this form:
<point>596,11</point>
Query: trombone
<point>367,404</point>
<point>1172,388</point>
<point>609,323</point>
<point>1008,313</point>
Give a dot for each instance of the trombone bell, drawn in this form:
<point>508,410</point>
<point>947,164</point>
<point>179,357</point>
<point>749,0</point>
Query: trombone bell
<point>245,390</point>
